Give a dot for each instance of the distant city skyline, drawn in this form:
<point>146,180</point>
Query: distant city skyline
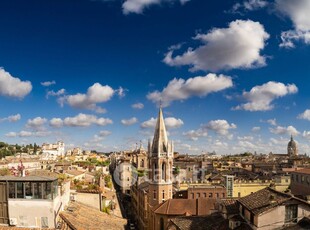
<point>232,76</point>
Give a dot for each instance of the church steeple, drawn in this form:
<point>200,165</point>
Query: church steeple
<point>160,140</point>
<point>160,164</point>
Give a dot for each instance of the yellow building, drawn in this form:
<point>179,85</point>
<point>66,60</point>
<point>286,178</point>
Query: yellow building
<point>243,188</point>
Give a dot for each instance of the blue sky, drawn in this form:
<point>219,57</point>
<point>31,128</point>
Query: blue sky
<point>232,76</point>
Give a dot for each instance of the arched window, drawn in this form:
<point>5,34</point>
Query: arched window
<point>142,163</point>
<point>163,172</point>
<point>161,224</point>
<point>155,172</point>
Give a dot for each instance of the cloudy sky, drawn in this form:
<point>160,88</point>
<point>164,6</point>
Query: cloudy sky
<point>232,76</point>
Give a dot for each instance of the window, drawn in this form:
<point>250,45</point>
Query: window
<point>297,179</point>
<point>28,190</point>
<point>142,163</point>
<point>192,194</point>
<point>161,224</point>
<point>205,195</point>
<point>198,195</point>
<point>37,190</point>
<point>48,191</point>
<point>291,213</point>
<point>20,190</point>
<point>163,172</point>
<point>12,190</point>
<point>210,194</point>
<point>163,194</point>
<point>217,195</point>
<point>239,194</point>
<point>154,194</point>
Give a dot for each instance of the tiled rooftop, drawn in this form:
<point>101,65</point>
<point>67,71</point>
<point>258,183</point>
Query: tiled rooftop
<point>263,200</point>
<point>82,217</point>
<point>231,205</point>
<point>195,207</point>
<point>211,222</point>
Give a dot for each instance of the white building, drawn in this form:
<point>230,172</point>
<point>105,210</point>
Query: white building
<point>52,151</point>
<point>32,201</point>
<point>123,176</point>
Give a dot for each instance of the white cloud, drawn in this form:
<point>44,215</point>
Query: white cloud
<point>306,134</point>
<point>247,145</point>
<point>260,97</point>
<point>280,130</point>
<point>195,134</point>
<point>151,123</point>
<point>246,138</point>
<point>20,134</point>
<point>221,127</point>
<point>24,133</point>
<point>179,89</point>
<point>256,129</point>
<point>121,92</point>
<point>298,12</point>
<point>305,115</point>
<point>272,121</point>
<point>100,137</point>
<point>56,122</point>
<point>249,5</point>
<point>11,134</point>
<point>12,118</point>
<point>36,123</point>
<point>170,123</point>
<point>137,106</point>
<point>130,121</point>
<point>237,46</point>
<point>138,6</point>
<point>48,83</point>
<point>55,94</point>
<point>97,93</point>
<point>13,87</point>
<point>104,133</point>
<point>84,120</point>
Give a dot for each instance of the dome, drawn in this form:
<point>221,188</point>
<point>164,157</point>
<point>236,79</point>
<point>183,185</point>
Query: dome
<point>292,148</point>
<point>292,143</point>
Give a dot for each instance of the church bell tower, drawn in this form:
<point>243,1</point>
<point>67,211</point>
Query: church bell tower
<point>160,155</point>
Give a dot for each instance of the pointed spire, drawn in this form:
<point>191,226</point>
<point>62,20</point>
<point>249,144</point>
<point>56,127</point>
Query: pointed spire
<point>160,139</point>
<point>291,137</point>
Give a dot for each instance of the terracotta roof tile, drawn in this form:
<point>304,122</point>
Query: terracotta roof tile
<point>195,207</point>
<point>263,200</point>
<point>211,222</point>
<point>231,205</point>
<point>81,217</point>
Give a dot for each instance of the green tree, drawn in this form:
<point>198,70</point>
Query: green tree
<point>35,148</point>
